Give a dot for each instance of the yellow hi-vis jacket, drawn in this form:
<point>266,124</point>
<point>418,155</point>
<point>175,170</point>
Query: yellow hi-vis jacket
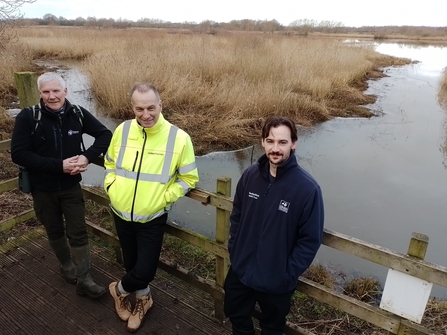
<point>147,169</point>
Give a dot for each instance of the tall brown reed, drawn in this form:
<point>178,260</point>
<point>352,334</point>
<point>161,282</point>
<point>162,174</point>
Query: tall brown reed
<point>218,88</point>
<point>13,58</point>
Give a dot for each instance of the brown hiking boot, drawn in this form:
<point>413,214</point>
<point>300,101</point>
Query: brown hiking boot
<point>122,304</point>
<point>143,304</point>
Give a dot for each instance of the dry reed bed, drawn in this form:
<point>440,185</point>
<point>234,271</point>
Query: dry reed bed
<point>13,58</point>
<point>219,88</point>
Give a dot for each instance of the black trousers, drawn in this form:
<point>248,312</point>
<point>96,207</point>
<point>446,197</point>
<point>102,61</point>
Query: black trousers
<point>240,302</point>
<point>141,245</point>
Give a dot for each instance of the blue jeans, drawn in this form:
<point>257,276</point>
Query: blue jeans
<point>240,301</point>
<point>141,246</point>
<point>62,213</point>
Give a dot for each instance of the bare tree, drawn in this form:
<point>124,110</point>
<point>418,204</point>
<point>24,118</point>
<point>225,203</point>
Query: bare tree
<point>9,15</point>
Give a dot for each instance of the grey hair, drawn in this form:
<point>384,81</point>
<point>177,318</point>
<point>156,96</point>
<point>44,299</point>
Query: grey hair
<point>49,76</point>
<point>143,88</point>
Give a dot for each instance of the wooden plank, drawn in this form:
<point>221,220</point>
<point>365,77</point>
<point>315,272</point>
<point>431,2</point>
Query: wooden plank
<point>9,185</point>
<point>96,195</point>
<point>5,145</point>
<point>104,234</point>
<point>409,328</point>
<point>430,272</point>
<point>203,196</point>
<point>222,232</point>
<point>371,314</point>
<point>199,282</point>
<point>22,217</point>
<point>199,195</point>
<point>216,200</point>
<point>196,239</point>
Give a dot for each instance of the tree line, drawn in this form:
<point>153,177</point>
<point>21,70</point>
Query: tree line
<point>300,26</point>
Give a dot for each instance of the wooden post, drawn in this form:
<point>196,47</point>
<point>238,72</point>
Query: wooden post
<point>417,248</point>
<point>222,232</point>
<point>418,245</point>
<point>26,88</point>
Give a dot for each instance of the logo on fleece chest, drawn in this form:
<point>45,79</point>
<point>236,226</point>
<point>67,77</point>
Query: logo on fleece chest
<point>283,206</point>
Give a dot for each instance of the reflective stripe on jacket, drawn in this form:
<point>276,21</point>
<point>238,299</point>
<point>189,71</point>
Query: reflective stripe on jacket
<point>147,169</point>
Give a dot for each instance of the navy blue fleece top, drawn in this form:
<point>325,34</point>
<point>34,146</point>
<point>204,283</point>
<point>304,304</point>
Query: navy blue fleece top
<point>276,226</point>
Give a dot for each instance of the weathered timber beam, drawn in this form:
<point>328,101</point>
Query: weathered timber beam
<point>9,223</point>
<point>9,185</point>
<point>383,319</point>
<point>364,311</point>
<point>104,234</point>
<point>216,200</point>
<point>197,281</point>
<point>96,195</point>
<point>203,196</point>
<point>430,272</point>
<point>199,195</point>
<point>197,240</point>
<point>409,328</point>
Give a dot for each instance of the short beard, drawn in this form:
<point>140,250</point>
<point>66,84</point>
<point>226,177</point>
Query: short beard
<point>282,160</point>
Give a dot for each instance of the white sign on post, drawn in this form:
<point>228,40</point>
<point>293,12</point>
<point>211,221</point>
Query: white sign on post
<point>405,295</point>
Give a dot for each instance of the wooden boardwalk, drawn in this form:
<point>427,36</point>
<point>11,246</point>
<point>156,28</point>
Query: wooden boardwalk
<point>35,299</point>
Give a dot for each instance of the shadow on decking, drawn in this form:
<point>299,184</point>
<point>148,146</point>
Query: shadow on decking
<point>35,299</point>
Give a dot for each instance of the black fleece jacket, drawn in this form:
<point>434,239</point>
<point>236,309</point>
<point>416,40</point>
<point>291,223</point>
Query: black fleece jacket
<point>42,150</point>
<point>276,226</point>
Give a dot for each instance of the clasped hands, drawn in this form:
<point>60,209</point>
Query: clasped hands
<point>76,164</point>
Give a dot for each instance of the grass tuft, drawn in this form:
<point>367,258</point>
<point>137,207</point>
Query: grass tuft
<point>363,289</point>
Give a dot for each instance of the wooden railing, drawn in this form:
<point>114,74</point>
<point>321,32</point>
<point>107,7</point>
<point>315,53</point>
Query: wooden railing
<point>221,200</point>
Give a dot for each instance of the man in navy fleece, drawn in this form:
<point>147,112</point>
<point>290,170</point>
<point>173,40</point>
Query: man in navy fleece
<point>276,230</point>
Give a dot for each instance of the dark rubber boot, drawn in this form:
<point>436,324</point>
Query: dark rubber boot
<point>62,251</point>
<point>85,284</point>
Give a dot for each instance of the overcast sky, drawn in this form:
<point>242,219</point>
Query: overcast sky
<point>350,12</point>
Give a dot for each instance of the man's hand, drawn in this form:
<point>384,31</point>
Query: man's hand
<point>75,164</point>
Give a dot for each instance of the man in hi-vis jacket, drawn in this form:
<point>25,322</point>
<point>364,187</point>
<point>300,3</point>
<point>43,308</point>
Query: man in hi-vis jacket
<point>149,165</point>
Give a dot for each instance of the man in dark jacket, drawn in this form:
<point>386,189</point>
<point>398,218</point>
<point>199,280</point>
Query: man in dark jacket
<point>46,141</point>
<point>276,230</point>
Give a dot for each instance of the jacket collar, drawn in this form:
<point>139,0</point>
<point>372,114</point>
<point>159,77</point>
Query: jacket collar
<point>156,127</point>
<point>264,165</point>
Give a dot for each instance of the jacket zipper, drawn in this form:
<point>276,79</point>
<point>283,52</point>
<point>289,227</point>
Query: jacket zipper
<point>58,141</point>
<point>259,231</point>
<point>138,173</point>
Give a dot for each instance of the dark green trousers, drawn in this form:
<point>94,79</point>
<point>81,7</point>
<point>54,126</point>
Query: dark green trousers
<point>62,213</point>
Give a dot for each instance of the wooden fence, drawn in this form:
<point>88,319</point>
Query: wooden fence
<point>412,263</point>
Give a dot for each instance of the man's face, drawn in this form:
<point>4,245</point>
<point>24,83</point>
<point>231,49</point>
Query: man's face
<point>52,94</point>
<point>278,145</point>
<point>147,108</point>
